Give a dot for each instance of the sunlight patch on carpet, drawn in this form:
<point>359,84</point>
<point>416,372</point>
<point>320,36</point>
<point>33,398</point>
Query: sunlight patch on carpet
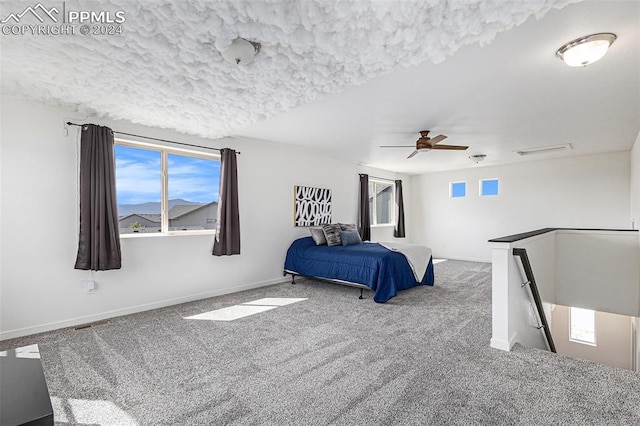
<point>276,301</point>
<point>438,261</point>
<point>30,351</point>
<point>231,313</point>
<point>90,412</point>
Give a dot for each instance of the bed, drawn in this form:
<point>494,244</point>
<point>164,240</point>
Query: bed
<point>367,265</point>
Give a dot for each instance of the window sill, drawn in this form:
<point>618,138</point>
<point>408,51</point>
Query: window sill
<point>382,225</point>
<point>583,342</point>
<point>167,234</point>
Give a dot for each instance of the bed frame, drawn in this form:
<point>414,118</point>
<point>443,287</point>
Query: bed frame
<point>362,287</point>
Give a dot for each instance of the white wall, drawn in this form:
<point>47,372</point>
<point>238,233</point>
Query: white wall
<point>598,270</point>
<point>635,344</point>
<point>635,203</point>
<point>635,183</point>
<point>580,192</point>
<point>40,290</point>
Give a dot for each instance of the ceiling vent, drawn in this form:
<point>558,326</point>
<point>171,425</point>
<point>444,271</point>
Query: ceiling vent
<point>544,149</point>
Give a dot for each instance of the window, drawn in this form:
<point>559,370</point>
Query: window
<point>186,199</point>
<point>488,187</point>
<point>457,189</point>
<point>381,202</point>
<point>582,326</point>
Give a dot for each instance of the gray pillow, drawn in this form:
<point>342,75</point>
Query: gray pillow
<point>348,226</point>
<point>332,234</point>
<point>318,236</point>
<point>350,238</point>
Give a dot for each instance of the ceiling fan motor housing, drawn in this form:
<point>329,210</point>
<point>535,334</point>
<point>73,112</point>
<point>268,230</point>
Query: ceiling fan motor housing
<point>423,143</point>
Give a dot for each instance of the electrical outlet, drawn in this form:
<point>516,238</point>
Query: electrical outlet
<point>91,287</point>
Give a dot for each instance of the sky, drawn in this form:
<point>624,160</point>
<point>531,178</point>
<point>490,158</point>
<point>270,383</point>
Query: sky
<point>138,176</point>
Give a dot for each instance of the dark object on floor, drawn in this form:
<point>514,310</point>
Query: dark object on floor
<point>24,397</point>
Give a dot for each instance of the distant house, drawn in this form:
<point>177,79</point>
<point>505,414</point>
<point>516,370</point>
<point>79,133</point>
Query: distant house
<point>181,218</point>
<point>139,222</point>
<point>193,217</point>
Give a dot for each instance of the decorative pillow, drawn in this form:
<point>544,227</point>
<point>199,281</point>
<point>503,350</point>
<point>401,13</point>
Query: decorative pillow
<point>318,236</point>
<point>348,226</point>
<point>332,234</point>
<point>350,237</point>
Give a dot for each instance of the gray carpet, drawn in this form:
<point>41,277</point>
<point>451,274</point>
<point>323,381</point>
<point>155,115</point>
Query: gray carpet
<point>421,358</point>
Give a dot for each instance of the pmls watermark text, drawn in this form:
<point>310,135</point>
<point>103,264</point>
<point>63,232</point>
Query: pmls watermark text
<point>39,29</point>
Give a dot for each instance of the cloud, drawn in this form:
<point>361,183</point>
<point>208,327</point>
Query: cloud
<point>193,179</point>
<point>138,175</point>
<point>194,188</point>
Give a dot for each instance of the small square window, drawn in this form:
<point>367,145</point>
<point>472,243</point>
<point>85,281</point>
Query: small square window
<point>583,326</point>
<point>458,189</point>
<point>488,187</point>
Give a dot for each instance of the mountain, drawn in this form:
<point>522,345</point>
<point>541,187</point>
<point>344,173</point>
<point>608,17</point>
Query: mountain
<point>152,207</point>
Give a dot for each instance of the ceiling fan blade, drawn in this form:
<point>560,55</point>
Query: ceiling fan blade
<point>437,139</point>
<point>413,153</point>
<point>397,146</point>
<point>450,147</point>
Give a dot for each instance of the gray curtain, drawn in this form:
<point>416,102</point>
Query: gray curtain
<point>364,218</point>
<point>227,240</point>
<point>398,230</point>
<point>99,240</point>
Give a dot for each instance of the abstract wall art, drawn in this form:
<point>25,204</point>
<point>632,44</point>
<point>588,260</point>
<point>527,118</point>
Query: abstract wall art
<point>312,206</point>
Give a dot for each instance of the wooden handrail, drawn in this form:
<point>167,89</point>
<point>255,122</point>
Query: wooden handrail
<point>524,258</point>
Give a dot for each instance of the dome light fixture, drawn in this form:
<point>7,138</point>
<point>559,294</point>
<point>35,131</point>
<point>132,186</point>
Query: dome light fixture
<point>476,158</point>
<point>241,51</point>
<point>586,50</point>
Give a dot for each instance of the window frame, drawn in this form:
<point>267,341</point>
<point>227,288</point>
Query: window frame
<point>374,217</point>
<point>451,184</point>
<point>489,180</point>
<point>164,178</point>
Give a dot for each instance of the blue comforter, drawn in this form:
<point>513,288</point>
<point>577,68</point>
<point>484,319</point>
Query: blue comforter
<point>382,270</point>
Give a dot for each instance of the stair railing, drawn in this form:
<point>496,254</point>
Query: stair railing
<point>533,287</point>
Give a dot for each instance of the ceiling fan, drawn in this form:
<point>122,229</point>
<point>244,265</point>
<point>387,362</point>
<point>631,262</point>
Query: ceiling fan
<point>425,143</point>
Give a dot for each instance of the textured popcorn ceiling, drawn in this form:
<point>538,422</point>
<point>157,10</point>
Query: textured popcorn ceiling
<point>165,70</point>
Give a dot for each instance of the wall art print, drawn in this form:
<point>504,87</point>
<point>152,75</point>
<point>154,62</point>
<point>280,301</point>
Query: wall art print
<point>312,206</point>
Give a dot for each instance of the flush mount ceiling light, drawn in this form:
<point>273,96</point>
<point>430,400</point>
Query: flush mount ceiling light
<point>476,158</point>
<point>586,50</point>
<point>241,51</point>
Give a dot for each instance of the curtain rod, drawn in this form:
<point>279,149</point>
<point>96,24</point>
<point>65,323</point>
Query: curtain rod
<point>155,139</point>
<point>381,178</point>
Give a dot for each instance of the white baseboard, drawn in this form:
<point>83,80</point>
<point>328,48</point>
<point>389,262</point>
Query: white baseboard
<point>504,345</point>
<point>500,344</point>
<point>71,322</point>
<point>466,259</point>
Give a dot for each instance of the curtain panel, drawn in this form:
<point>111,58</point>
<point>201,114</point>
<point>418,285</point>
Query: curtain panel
<point>99,239</point>
<point>364,218</point>
<point>227,241</point>
<point>398,230</point>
